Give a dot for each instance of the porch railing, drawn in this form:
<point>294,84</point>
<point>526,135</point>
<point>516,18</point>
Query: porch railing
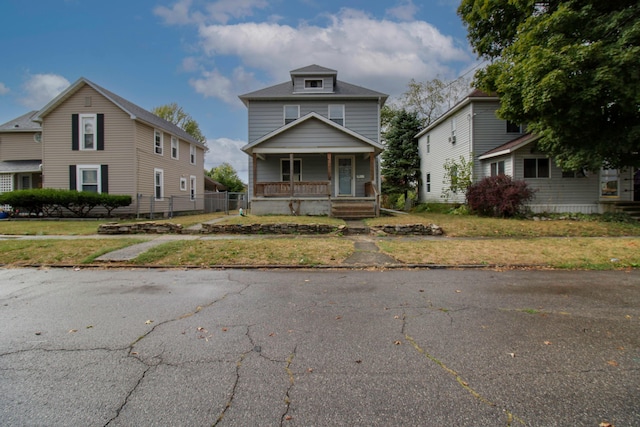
<point>300,189</point>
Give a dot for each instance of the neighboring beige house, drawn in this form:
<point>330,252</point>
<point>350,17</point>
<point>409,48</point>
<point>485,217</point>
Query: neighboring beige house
<point>313,146</point>
<point>20,154</point>
<point>472,130</point>
<point>95,140</point>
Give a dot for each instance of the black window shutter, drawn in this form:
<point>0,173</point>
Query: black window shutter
<point>72,177</point>
<point>104,178</point>
<point>100,129</point>
<point>74,132</point>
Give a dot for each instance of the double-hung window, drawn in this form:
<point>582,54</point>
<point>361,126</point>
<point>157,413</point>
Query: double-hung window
<point>286,172</point>
<point>497,168</point>
<point>88,128</point>
<point>174,147</point>
<point>428,183</point>
<point>192,154</point>
<point>336,114</point>
<point>157,141</point>
<point>158,184</point>
<point>536,168</point>
<point>291,113</point>
<point>89,178</point>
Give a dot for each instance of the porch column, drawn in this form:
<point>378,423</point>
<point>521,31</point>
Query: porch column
<point>372,167</point>
<point>329,172</point>
<point>255,174</point>
<point>291,173</point>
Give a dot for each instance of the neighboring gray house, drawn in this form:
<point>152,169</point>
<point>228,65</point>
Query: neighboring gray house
<point>20,154</point>
<point>313,146</point>
<point>90,139</point>
<point>472,130</point>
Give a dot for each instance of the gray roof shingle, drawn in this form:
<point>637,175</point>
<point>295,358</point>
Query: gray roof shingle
<point>23,123</point>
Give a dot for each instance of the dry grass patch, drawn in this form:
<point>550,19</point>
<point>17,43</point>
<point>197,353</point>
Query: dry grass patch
<point>473,226</point>
<point>281,219</point>
<point>51,227</point>
<point>306,251</point>
<point>58,251</point>
<point>579,253</point>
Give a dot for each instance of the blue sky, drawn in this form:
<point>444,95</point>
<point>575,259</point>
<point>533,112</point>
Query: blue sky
<point>202,54</point>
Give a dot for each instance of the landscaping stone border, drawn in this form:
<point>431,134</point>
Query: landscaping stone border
<point>281,228</point>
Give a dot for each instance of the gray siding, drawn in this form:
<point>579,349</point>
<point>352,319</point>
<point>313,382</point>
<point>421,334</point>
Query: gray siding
<point>313,134</point>
<point>267,116</point>
<point>298,84</point>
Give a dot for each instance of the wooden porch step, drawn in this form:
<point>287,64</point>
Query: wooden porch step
<point>353,209</point>
<point>630,208</point>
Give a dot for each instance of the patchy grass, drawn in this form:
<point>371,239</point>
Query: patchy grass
<point>306,251</point>
<point>58,251</point>
<point>473,226</point>
<point>281,219</point>
<point>569,253</point>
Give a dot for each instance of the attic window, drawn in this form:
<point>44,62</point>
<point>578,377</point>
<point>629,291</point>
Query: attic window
<point>314,84</point>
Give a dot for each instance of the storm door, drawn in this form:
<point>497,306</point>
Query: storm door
<point>345,171</point>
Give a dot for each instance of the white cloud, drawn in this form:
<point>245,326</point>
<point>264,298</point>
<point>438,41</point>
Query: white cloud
<point>220,11</point>
<point>3,89</point>
<point>405,11</point>
<point>178,14</point>
<point>42,88</point>
<point>379,54</point>
<point>214,84</point>
<point>227,150</point>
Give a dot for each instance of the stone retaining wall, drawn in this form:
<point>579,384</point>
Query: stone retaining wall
<point>170,228</point>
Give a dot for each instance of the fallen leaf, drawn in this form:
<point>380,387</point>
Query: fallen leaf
<point>338,317</point>
<point>272,334</point>
<point>628,317</point>
<point>70,331</point>
<point>309,370</point>
<point>90,326</point>
<point>358,361</point>
<point>512,354</point>
<point>606,424</point>
<point>288,418</point>
<point>547,343</point>
<point>612,363</point>
<point>224,329</point>
<point>38,333</point>
<point>458,291</point>
<point>397,342</point>
<point>201,329</point>
<point>421,290</point>
<point>148,322</point>
<point>396,317</point>
<point>134,353</point>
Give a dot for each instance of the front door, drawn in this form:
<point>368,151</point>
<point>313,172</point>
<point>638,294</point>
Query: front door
<point>345,171</point>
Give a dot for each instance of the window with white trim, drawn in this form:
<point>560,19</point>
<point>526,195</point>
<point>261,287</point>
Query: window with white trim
<point>313,83</point>
<point>428,183</point>
<point>291,113</point>
<point>183,184</point>
<point>285,170</point>
<point>192,154</point>
<point>536,168</point>
<point>157,141</point>
<point>174,147</point>
<point>88,129</point>
<point>88,178</point>
<point>192,187</point>
<point>497,168</point>
<point>336,113</point>
<point>158,184</point>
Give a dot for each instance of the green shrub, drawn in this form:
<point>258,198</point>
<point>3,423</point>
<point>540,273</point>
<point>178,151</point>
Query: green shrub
<point>50,202</point>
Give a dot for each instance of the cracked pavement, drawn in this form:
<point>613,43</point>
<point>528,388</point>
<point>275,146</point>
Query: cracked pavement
<point>125,347</point>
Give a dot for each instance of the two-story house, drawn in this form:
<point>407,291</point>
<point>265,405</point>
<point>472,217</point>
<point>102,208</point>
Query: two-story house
<point>95,140</point>
<point>472,130</point>
<point>20,154</point>
<point>313,146</point>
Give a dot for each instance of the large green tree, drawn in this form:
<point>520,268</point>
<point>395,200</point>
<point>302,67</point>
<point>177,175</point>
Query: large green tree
<point>175,114</point>
<point>226,175</point>
<point>567,69</point>
<point>400,159</point>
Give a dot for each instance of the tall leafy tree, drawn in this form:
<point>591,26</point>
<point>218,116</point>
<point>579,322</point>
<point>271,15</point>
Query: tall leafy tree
<point>175,114</point>
<point>226,175</point>
<point>566,68</point>
<point>401,160</point>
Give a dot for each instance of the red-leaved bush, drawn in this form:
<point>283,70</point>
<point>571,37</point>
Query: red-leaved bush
<point>498,196</point>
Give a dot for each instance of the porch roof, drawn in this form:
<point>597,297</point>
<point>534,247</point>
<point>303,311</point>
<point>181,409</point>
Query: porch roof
<point>371,146</point>
<point>510,146</point>
<point>20,166</point>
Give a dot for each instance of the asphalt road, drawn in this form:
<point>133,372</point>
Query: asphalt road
<point>319,348</point>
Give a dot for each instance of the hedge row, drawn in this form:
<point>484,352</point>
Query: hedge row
<point>51,202</point>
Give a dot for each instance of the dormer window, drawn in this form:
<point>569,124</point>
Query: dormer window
<point>313,83</point>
